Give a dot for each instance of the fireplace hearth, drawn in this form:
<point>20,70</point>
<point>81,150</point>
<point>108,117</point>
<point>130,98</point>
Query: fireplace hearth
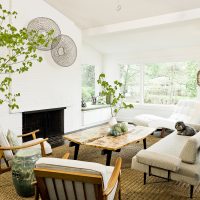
<point>50,122</point>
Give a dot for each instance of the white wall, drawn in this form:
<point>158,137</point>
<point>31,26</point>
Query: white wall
<point>92,57</point>
<point>46,85</point>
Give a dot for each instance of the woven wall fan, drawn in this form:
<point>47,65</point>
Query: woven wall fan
<point>43,25</point>
<point>64,50</point>
<point>198,78</point>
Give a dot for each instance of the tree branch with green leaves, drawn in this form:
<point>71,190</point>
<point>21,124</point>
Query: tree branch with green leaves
<point>113,91</point>
<point>19,53</point>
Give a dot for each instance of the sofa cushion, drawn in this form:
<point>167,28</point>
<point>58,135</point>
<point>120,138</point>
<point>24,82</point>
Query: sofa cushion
<point>159,160</point>
<point>189,173</point>
<point>172,144</point>
<point>145,119</point>
<point>190,150</point>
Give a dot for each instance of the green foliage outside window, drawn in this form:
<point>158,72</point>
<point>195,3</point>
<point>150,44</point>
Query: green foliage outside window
<point>88,82</point>
<point>164,83</point>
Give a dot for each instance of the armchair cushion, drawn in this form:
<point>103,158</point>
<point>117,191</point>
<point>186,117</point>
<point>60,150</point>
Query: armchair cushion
<point>159,160</point>
<point>4,142</point>
<point>190,149</point>
<point>47,146</point>
<point>76,166</point>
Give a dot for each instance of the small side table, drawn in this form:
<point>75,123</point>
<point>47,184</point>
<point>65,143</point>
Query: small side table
<point>22,171</point>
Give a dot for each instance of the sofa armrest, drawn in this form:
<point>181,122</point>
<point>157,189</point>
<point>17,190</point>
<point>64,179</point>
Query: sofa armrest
<point>159,160</point>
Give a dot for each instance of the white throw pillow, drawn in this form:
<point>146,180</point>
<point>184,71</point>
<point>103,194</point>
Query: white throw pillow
<point>190,150</point>
<point>4,142</point>
<point>12,139</point>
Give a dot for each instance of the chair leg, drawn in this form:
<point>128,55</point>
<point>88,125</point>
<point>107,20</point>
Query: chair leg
<point>119,194</point>
<point>145,178</point>
<point>36,193</point>
<point>3,170</point>
<point>191,191</point>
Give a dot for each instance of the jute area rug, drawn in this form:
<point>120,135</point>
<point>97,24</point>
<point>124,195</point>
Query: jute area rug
<point>131,180</point>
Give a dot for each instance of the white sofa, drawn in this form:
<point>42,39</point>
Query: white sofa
<point>185,110</point>
<point>174,157</point>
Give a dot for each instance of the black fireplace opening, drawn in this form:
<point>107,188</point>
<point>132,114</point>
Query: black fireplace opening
<point>50,122</point>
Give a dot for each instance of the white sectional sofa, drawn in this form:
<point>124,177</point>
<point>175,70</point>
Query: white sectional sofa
<point>185,110</point>
<point>174,157</point>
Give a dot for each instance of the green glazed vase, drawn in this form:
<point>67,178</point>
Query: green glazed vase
<point>22,171</point>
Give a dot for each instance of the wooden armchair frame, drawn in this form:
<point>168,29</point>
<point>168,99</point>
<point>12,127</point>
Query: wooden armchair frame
<point>101,194</point>
<point>12,148</point>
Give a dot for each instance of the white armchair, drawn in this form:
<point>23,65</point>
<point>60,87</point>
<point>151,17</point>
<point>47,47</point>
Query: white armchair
<point>185,110</point>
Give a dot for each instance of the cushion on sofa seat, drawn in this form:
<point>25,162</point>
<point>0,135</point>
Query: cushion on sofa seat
<point>190,150</point>
<point>160,160</point>
<point>145,119</point>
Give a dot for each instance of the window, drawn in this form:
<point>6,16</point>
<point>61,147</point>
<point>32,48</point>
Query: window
<point>163,83</point>
<point>130,77</point>
<point>88,82</point>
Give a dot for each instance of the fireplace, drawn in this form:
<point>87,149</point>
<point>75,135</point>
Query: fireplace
<point>50,122</point>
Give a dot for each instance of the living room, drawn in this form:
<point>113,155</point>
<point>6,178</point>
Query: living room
<point>134,63</point>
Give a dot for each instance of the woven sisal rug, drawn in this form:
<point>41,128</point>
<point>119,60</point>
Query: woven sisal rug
<point>131,180</point>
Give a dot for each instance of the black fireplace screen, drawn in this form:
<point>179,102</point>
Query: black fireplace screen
<point>50,123</point>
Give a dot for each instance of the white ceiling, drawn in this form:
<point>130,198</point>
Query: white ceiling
<point>176,35</point>
<point>93,13</point>
<point>94,16</point>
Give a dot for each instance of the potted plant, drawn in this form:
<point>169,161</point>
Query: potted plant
<point>115,96</point>
<point>19,53</point>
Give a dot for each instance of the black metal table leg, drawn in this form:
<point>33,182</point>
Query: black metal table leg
<point>73,144</point>
<point>109,155</point>
<point>145,143</point>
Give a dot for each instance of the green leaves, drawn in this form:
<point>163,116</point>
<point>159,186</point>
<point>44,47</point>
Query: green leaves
<point>21,53</point>
<point>116,103</point>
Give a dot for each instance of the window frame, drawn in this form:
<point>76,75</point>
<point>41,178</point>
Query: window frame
<point>142,83</point>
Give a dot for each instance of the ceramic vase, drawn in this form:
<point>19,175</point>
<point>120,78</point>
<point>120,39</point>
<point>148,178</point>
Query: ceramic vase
<point>112,121</point>
<point>22,171</point>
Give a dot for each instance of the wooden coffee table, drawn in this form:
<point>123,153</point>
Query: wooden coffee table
<point>98,137</point>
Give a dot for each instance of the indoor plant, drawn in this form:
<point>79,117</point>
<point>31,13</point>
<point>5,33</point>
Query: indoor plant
<point>18,52</point>
<point>116,97</point>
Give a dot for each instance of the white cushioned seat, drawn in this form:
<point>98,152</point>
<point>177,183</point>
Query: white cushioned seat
<point>188,174</point>
<point>160,160</point>
<point>47,146</point>
<point>145,119</point>
<point>185,110</point>
<point>79,166</point>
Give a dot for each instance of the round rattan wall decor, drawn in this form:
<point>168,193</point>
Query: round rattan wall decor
<point>198,78</point>
<point>43,26</point>
<point>64,53</point>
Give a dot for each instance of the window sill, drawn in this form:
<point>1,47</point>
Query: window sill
<point>94,107</point>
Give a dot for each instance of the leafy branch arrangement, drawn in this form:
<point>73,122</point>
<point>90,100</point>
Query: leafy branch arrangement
<point>19,53</point>
<point>116,98</point>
